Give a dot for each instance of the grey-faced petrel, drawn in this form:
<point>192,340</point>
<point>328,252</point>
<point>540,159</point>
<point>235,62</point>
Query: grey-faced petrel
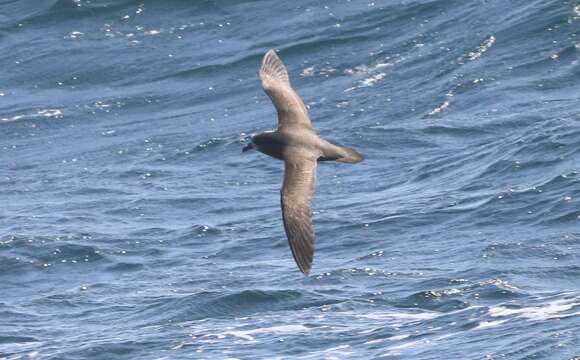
<point>297,144</point>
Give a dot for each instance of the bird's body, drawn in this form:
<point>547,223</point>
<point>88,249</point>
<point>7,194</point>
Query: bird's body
<point>297,144</point>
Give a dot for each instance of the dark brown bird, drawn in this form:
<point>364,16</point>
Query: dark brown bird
<point>297,144</point>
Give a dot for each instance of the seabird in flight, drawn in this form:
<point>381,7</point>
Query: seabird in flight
<point>296,143</point>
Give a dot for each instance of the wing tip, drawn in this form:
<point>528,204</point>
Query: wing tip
<point>351,156</point>
<point>270,58</point>
<point>273,70</point>
<point>302,259</point>
<point>270,53</point>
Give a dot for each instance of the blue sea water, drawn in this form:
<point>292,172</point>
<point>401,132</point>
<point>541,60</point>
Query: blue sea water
<point>133,227</point>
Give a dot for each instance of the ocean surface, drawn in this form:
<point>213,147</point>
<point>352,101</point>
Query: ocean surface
<point>132,226</point>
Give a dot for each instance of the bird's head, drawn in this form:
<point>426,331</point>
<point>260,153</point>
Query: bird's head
<point>250,146</point>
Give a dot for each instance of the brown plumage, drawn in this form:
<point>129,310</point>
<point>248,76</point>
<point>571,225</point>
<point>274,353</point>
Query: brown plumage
<point>297,144</point>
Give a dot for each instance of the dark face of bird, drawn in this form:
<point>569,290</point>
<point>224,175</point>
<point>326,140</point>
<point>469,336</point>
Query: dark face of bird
<point>269,143</point>
<point>250,146</point>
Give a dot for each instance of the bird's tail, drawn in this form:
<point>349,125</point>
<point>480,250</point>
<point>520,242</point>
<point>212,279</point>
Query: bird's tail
<point>331,152</point>
<point>350,155</point>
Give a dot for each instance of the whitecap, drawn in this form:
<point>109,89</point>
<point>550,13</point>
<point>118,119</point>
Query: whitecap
<point>489,324</point>
<point>50,113</point>
<point>249,334</point>
<point>479,51</point>
<point>557,309</point>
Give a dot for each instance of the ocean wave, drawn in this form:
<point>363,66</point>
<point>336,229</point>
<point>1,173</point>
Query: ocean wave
<point>134,227</point>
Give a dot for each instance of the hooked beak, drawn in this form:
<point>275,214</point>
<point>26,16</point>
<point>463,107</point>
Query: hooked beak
<point>250,146</point>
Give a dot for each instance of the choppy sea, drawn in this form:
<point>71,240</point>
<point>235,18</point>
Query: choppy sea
<point>133,227</point>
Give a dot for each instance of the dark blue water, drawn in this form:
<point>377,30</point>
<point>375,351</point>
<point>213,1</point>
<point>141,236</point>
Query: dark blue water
<point>133,227</point>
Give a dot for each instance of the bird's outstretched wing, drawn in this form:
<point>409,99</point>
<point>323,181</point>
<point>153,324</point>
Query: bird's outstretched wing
<point>276,84</point>
<point>296,195</point>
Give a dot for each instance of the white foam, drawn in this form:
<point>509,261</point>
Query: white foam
<point>406,317</point>
<point>336,348</point>
<point>440,108</point>
<point>51,113</point>
<point>391,338</point>
<point>373,79</point>
<point>489,324</point>
<point>369,70</point>
<point>249,334</point>
<point>367,82</point>
<point>375,341</point>
<point>479,51</point>
<point>553,310</point>
<point>309,71</point>
<point>74,35</point>
<point>399,337</point>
